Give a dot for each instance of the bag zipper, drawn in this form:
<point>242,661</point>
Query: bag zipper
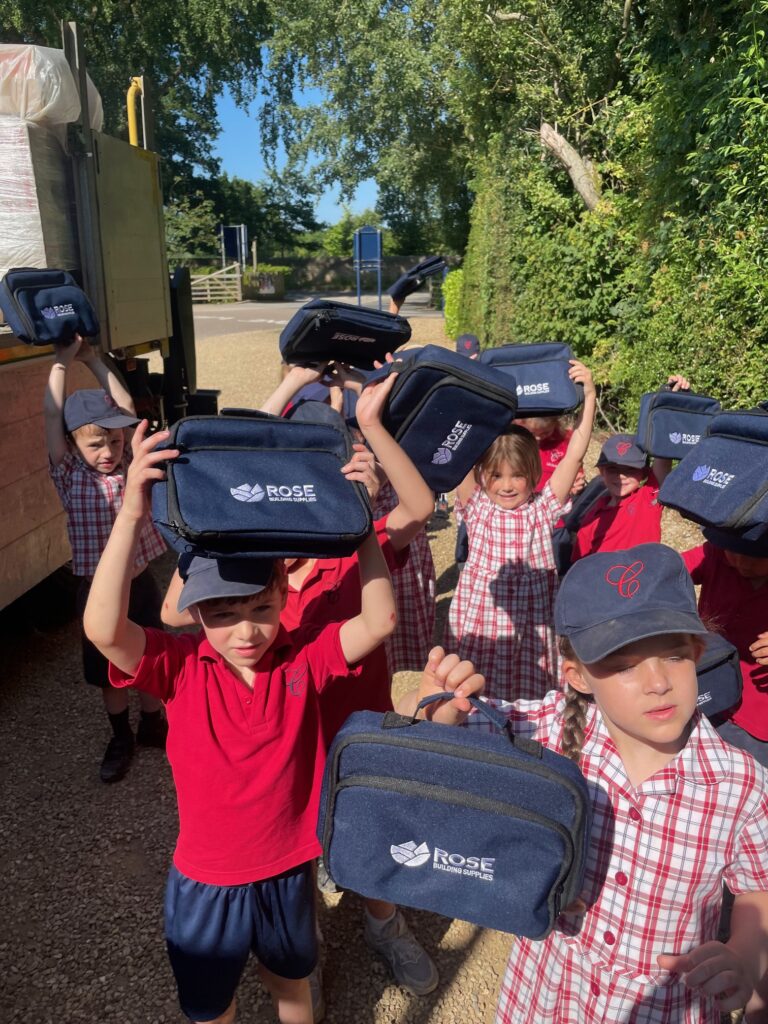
<point>488,391</point>
<point>530,765</point>
<point>443,794</point>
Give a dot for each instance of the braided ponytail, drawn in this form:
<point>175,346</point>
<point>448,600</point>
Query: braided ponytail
<point>574,713</point>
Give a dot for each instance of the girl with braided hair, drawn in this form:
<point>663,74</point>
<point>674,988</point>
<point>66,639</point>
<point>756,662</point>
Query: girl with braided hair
<point>676,812</point>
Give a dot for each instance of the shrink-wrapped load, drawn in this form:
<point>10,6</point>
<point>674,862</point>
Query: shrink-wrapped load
<point>38,98</point>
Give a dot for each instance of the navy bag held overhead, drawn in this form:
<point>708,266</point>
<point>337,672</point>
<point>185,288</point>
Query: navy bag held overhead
<point>445,410</point>
<point>540,372</point>
<point>46,307</point>
<point>723,481</point>
<point>260,485</point>
<point>324,330</point>
<point>671,423</point>
<point>487,827</point>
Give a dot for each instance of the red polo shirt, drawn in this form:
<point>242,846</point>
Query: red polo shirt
<point>740,612</point>
<point>552,449</point>
<point>635,520</point>
<point>331,593</point>
<point>247,763</point>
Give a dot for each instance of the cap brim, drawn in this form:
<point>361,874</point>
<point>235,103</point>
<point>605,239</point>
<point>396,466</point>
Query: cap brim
<point>226,579</point>
<point>596,642</point>
<point>739,545</point>
<point>115,422</point>
<point>626,463</point>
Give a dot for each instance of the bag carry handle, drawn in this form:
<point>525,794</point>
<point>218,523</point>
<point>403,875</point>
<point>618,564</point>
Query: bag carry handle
<point>527,746</point>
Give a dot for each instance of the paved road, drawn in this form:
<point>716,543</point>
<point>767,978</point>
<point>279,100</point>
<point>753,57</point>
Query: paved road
<point>212,320</point>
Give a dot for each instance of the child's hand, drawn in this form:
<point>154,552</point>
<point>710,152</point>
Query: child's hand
<point>347,377</point>
<point>336,396</point>
<point>446,673</point>
<point>144,470</point>
<point>759,649</point>
<point>579,483</point>
<point>87,353</point>
<point>371,402</point>
<point>303,375</point>
<point>362,468</point>
<point>713,969</point>
<point>581,374</point>
<point>66,354</point>
<point>678,383</point>
<point>388,358</point>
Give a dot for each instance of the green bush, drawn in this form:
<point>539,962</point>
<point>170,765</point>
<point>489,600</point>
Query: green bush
<point>264,268</point>
<point>452,286</point>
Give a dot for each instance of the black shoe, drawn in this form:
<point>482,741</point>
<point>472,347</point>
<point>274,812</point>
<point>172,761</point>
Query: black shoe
<point>152,731</point>
<point>117,758</point>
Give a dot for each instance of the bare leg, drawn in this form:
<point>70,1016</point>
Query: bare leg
<point>379,909</point>
<point>291,997</point>
<point>115,699</point>
<point>227,1017</point>
<point>148,703</point>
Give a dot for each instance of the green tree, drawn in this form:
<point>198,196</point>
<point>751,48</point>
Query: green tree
<point>191,229</point>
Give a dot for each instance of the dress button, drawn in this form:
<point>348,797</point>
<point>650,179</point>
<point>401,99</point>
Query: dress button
<point>635,814</point>
<point>621,878</point>
<point>595,988</point>
<point>248,700</point>
<point>610,938</point>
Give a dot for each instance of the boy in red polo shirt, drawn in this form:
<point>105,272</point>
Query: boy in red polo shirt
<point>246,750</point>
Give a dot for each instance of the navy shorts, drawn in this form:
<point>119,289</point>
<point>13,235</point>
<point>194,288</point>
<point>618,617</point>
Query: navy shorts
<point>210,931</point>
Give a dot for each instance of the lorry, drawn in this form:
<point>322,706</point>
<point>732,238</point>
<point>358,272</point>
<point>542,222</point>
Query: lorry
<point>75,198</point>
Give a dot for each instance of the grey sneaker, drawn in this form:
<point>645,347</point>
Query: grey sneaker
<point>316,991</point>
<point>411,965</point>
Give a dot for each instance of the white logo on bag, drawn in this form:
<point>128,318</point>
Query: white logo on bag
<point>339,336</point>
<point>676,438</point>
<point>451,443</point>
<point>542,388</point>
<point>714,477</point>
<point>274,492</point>
<point>247,493</point>
<point>52,312</point>
<point>410,855</point>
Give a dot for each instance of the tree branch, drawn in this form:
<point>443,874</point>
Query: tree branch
<point>580,169</point>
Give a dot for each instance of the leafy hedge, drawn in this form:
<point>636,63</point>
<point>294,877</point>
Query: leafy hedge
<point>452,287</point>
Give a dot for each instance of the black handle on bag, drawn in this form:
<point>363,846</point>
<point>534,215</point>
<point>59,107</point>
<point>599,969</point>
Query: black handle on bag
<point>495,717</point>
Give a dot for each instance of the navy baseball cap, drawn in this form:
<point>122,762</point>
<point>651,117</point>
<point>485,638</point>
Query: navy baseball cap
<point>739,544</point>
<point>613,598</point>
<point>467,344</point>
<point>623,450</point>
<point>94,405</point>
<point>206,578</point>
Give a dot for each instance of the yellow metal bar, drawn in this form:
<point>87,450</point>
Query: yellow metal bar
<point>134,91</point>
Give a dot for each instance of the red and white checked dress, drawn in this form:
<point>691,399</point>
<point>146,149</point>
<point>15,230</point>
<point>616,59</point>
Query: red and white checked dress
<point>414,586</point>
<point>501,614</point>
<point>657,860</point>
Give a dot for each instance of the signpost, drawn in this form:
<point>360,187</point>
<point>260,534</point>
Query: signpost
<point>367,256</point>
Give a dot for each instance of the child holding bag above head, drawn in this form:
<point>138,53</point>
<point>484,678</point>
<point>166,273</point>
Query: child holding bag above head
<point>629,513</point>
<point>501,614</point>
<point>676,813</point>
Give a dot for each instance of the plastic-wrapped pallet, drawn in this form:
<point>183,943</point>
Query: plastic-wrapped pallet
<point>38,97</point>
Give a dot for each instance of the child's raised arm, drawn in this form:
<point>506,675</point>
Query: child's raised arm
<point>297,378</point>
<point>415,499</point>
<point>55,396</point>
<point>377,618</point>
<point>567,470</point>
<point>106,621</point>
<point>106,376</point>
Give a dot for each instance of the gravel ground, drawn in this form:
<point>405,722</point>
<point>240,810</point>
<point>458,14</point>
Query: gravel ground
<point>85,863</point>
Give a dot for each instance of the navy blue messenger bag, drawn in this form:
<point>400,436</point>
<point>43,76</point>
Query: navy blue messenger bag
<point>671,423</point>
<point>46,307</point>
<point>723,481</point>
<point>259,485</point>
<point>445,410</point>
<point>718,673</point>
<point>541,376</point>
<point>324,330</point>
<point>487,827</point>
